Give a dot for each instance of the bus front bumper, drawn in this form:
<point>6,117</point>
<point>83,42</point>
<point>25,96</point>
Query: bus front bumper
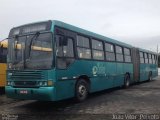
<point>41,93</point>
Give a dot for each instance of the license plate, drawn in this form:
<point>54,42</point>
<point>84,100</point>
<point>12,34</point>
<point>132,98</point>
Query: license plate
<point>23,92</point>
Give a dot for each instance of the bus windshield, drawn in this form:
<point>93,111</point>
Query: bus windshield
<point>30,51</point>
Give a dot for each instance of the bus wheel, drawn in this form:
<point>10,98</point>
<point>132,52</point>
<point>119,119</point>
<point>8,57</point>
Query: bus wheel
<point>126,81</point>
<point>82,90</point>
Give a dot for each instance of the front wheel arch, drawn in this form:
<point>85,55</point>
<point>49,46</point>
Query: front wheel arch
<point>81,90</point>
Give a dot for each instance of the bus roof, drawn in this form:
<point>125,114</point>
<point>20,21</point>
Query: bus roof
<point>148,51</point>
<point>86,32</point>
<point>89,33</point>
<point>98,36</point>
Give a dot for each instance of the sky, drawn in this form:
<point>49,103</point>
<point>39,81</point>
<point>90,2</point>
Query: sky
<point>136,22</point>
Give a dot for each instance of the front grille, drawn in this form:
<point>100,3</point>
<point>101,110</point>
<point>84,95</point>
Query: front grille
<point>25,84</point>
<point>27,75</point>
<point>26,78</point>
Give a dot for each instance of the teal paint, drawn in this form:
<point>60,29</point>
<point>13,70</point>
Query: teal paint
<point>102,74</point>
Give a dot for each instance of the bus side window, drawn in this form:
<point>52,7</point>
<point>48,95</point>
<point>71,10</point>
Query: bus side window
<point>153,59</point>
<point>83,47</point>
<point>64,47</point>
<point>110,52</point>
<point>141,57</point>
<point>146,57</point>
<point>127,55</point>
<point>68,48</point>
<point>156,59</point>
<point>155,56</point>
<point>65,53</point>
<point>97,50</point>
<point>59,46</point>
<point>150,58</point>
<point>119,54</point>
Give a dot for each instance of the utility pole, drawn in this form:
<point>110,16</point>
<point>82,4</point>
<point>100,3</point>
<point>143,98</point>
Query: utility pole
<point>157,54</point>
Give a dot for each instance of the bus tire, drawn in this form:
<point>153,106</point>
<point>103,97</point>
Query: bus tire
<point>81,90</point>
<point>126,81</point>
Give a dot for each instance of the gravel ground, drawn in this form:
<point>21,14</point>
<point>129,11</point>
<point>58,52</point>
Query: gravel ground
<point>141,99</point>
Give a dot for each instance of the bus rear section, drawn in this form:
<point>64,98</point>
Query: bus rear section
<point>3,64</point>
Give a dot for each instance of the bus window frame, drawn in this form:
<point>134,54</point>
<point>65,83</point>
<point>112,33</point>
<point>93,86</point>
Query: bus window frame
<point>119,53</point>
<point>110,52</point>
<point>92,37</point>
<point>127,54</point>
<point>64,57</point>
<point>90,47</point>
<point>142,57</point>
<point>103,49</point>
<point>52,43</point>
<point>146,57</point>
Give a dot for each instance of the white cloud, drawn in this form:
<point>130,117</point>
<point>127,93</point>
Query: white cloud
<point>131,21</point>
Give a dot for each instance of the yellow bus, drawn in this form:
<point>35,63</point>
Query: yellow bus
<point>3,65</point>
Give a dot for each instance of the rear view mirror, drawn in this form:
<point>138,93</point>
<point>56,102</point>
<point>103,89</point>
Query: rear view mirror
<point>62,41</point>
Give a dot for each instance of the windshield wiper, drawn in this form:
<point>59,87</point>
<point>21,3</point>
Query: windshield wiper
<point>16,39</point>
<point>33,38</point>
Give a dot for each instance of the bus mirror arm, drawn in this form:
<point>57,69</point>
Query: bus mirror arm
<point>33,38</point>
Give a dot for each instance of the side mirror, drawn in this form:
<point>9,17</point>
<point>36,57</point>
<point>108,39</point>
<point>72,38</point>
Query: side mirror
<point>63,41</point>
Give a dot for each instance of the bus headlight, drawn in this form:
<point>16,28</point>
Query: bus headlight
<point>10,83</point>
<point>42,83</point>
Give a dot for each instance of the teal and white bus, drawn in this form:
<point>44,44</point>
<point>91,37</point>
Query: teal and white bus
<point>53,60</point>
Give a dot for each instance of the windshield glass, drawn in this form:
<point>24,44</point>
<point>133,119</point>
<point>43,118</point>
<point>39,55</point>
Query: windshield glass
<point>30,52</point>
<point>16,51</point>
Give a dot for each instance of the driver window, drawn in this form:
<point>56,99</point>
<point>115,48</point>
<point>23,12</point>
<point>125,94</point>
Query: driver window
<point>64,47</point>
<point>65,53</point>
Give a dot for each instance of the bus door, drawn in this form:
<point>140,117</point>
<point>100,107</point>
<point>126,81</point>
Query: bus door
<point>136,64</point>
<point>65,57</point>
<point>65,45</point>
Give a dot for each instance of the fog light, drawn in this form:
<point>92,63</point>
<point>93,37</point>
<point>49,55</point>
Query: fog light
<point>50,82</point>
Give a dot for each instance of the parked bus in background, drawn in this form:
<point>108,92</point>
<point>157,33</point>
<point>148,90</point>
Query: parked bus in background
<point>53,61</point>
<point>3,63</point>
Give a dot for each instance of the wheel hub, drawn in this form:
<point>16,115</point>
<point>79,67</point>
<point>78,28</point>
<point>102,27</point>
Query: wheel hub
<point>82,90</point>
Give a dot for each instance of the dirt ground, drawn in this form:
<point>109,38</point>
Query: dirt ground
<point>141,101</point>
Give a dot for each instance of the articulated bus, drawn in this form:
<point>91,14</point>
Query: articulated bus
<point>3,63</point>
<point>53,60</point>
